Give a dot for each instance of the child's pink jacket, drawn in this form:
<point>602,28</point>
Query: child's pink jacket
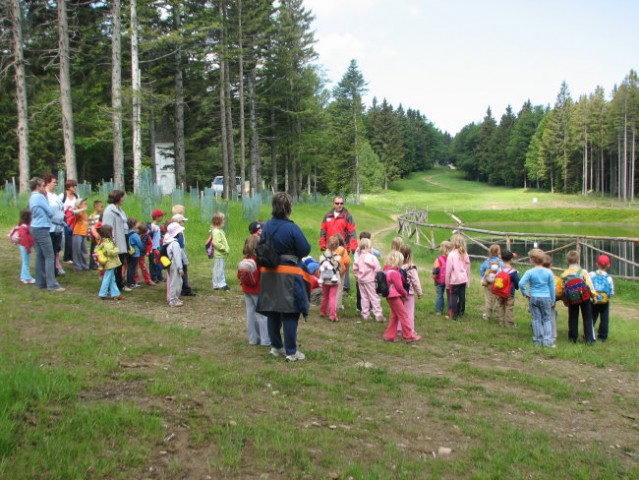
<point>457,269</point>
<point>366,267</point>
<point>394,280</point>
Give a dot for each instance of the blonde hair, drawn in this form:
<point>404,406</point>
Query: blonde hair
<point>395,259</point>
<point>572,257</point>
<point>406,251</point>
<point>332,243</point>
<point>365,244</point>
<point>458,243</point>
<point>218,219</point>
<point>494,250</point>
<point>536,256</point>
<point>178,209</point>
<point>396,243</point>
<point>444,247</point>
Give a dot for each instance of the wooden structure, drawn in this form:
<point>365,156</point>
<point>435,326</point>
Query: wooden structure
<point>589,246</point>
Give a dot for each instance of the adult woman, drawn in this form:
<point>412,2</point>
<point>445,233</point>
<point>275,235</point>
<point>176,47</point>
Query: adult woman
<point>57,221</point>
<point>115,217</point>
<point>41,221</point>
<point>284,289</point>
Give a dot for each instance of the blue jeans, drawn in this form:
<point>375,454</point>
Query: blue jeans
<point>108,284</point>
<point>439,301</point>
<point>289,323</point>
<point>541,323</point>
<point>25,273</point>
<point>45,259</point>
<point>219,280</point>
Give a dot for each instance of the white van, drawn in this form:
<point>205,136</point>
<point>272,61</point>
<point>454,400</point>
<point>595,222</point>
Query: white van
<point>218,185</point>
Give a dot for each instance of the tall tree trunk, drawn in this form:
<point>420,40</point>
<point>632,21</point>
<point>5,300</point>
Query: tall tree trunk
<point>229,128</point>
<point>223,126</point>
<point>355,102</point>
<point>65,92</point>
<point>136,84</point>
<point>116,95</point>
<point>24,166</point>
<point>255,139</point>
<point>241,94</point>
<point>274,179</point>
<point>180,160</point>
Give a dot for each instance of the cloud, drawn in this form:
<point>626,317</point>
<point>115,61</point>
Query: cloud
<point>335,57</point>
<point>339,7</point>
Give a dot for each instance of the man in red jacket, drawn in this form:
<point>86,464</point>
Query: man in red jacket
<point>339,221</point>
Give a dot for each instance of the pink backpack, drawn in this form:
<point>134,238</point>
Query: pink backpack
<point>441,277</point>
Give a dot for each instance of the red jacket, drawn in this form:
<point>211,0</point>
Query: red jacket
<point>395,284</point>
<point>343,225</point>
<point>256,276</point>
<point>26,239</point>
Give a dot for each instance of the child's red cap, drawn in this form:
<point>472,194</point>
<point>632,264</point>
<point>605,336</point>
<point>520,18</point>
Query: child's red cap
<point>157,213</point>
<point>603,261</point>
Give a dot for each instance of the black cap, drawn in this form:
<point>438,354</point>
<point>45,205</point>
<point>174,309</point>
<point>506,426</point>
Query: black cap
<point>255,227</point>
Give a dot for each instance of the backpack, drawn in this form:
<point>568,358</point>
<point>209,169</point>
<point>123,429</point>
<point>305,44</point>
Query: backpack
<point>210,248</point>
<point>69,217</point>
<point>246,272</point>
<point>14,235</point>
<point>381,284</point>
<point>439,273</point>
<point>575,289</point>
<point>163,259</point>
<point>490,273</point>
<point>405,280</point>
<point>328,270</point>
<point>602,286</point>
<point>559,288</point>
<point>503,283</point>
<point>267,256</point>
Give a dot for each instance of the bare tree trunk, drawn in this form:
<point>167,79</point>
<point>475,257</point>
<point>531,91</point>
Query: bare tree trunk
<point>116,95</point>
<point>65,92</point>
<point>229,128</point>
<point>632,166</point>
<point>180,160</point>
<point>24,166</point>
<point>223,126</point>
<point>136,84</point>
<point>241,88</point>
<point>274,179</point>
<point>255,139</point>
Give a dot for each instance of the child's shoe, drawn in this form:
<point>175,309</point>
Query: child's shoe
<point>416,338</point>
<point>295,357</point>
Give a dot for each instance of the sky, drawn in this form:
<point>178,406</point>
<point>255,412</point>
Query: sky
<point>452,59</point>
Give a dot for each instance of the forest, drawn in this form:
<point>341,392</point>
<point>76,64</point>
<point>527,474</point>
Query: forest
<point>90,87</point>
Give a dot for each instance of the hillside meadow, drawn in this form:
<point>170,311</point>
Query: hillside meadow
<point>134,389</point>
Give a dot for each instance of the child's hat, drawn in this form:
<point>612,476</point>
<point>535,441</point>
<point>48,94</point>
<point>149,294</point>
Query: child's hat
<point>173,230</point>
<point>254,227</point>
<point>157,213</point>
<point>179,218</point>
<point>79,202</point>
<point>603,260</point>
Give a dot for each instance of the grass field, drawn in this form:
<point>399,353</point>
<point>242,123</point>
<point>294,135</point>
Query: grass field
<point>133,389</point>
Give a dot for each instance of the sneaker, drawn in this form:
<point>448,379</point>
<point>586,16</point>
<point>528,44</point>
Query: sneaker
<point>277,352</point>
<point>57,289</point>
<point>127,289</point>
<point>118,297</point>
<point>176,303</point>
<point>416,338</point>
<point>295,357</point>
<point>28,282</point>
<point>225,288</point>
<point>61,271</point>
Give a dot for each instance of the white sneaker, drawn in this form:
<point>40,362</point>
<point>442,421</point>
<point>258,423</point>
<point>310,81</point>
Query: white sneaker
<point>28,282</point>
<point>127,289</point>
<point>278,352</point>
<point>295,357</point>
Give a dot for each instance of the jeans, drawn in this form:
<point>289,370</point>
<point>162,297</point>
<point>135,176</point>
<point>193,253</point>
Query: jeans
<point>541,324</point>
<point>109,285</point>
<point>439,301</point>
<point>347,278</point>
<point>219,281</point>
<point>287,321</point>
<point>256,323</point>
<point>458,300</point>
<point>25,273</point>
<point>45,259</point>
<point>602,309</point>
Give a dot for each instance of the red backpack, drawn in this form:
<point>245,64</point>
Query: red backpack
<point>502,285</point>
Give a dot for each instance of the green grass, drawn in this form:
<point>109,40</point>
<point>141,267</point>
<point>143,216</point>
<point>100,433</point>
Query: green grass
<point>134,389</point>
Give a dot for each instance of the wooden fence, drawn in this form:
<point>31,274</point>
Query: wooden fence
<point>414,224</point>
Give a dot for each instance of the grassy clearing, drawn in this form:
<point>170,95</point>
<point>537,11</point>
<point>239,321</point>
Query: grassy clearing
<point>135,390</point>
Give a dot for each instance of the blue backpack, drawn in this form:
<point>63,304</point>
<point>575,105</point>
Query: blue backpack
<point>602,285</point>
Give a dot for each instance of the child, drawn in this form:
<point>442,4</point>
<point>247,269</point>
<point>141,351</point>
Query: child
<point>439,277</point>
<point>256,323</point>
<point>505,305</point>
<point>94,218</point>
<point>345,261</point>
<point>577,284</point>
<point>375,252</point>
<point>176,269</point>
<point>156,232</point>
<point>330,268</point>
<point>603,283</point>
<point>396,243</point>
<point>218,238</point>
<point>415,288</point>
<point>365,266</point>
<point>80,232</point>
<point>178,212</point>
<point>559,286</point>
<point>457,275</point>
<point>538,286</point>
<point>135,250</point>
<point>146,246</point>
<point>25,243</point>
<point>395,294</point>
<point>488,271</point>
<point>108,253</point>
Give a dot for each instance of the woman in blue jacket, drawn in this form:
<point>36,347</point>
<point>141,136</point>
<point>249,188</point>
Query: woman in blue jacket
<point>284,290</point>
